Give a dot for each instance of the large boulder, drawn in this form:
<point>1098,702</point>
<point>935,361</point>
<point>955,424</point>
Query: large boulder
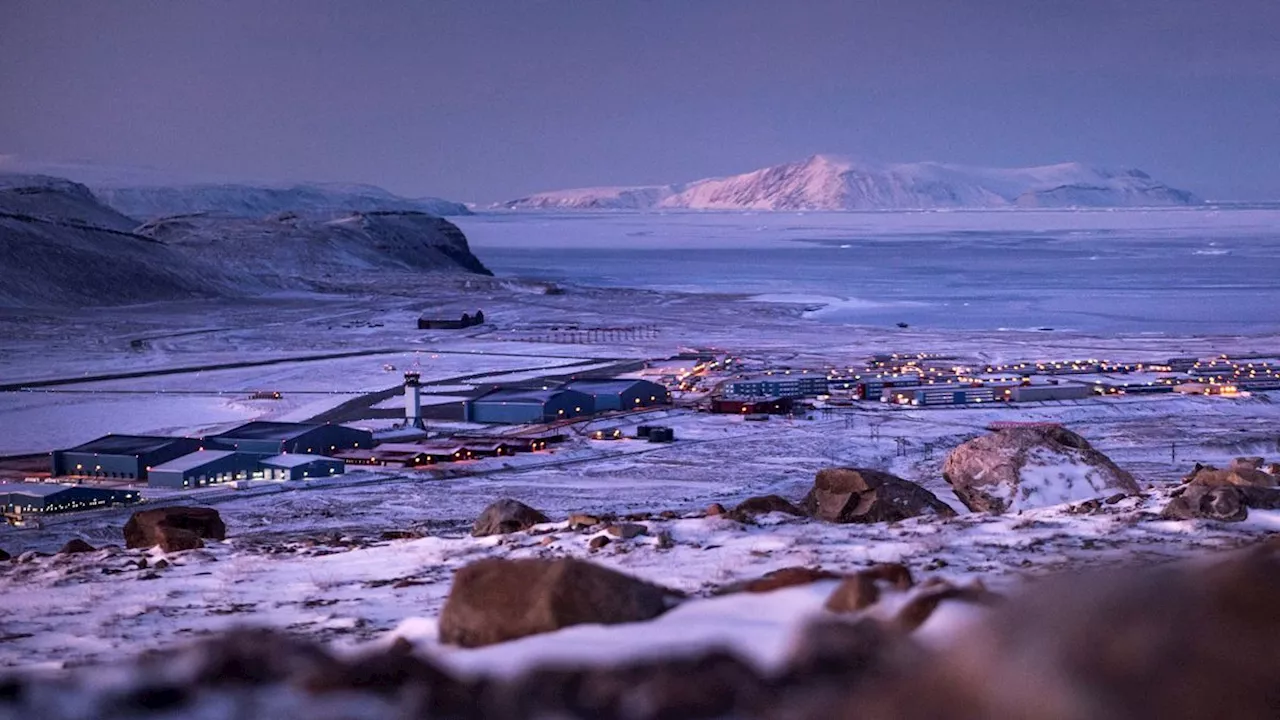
<point>506,516</point>
<point>75,546</point>
<point>860,495</point>
<point>495,600</point>
<point>1027,467</point>
<point>174,528</point>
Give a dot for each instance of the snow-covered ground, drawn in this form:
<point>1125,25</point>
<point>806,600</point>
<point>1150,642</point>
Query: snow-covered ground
<point>282,565</point>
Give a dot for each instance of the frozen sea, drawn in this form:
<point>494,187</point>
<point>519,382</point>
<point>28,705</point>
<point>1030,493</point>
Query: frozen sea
<point>1178,271</point>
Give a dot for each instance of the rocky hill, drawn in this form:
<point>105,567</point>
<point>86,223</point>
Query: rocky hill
<point>61,246</point>
<point>281,250</point>
<point>826,182</point>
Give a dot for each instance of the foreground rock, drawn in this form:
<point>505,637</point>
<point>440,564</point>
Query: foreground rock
<point>495,600</point>
<point>76,546</point>
<point>506,516</point>
<point>1171,642</point>
<point>860,495</point>
<point>174,528</point>
<point>1027,467</point>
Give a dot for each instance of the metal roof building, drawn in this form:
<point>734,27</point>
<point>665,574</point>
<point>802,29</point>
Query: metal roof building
<point>274,438</point>
<point>778,385</point>
<point>19,498</point>
<point>518,406</point>
<point>622,394</point>
<point>204,467</point>
<point>301,466</point>
<point>127,457</point>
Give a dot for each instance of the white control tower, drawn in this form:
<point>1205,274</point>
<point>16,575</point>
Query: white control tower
<point>413,399</point>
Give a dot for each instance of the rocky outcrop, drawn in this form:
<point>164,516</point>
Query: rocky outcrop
<point>1027,467</point>
<point>174,528</point>
<point>495,600</point>
<point>506,516</point>
<point>861,495</point>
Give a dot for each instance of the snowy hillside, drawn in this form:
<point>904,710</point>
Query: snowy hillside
<point>826,182</point>
<point>321,200</point>
<point>60,246</point>
<point>281,251</point>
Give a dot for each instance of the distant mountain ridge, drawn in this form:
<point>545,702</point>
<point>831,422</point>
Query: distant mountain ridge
<point>828,182</point>
<point>235,200</point>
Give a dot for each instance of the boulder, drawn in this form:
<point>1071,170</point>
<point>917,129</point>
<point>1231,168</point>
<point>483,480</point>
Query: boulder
<point>857,592</point>
<point>1027,467</point>
<point>4,556</point>
<point>173,528</point>
<point>714,509</point>
<point>495,600</point>
<point>860,495</point>
<point>1253,463</point>
<point>1212,495</point>
<point>598,542</point>
<point>627,531</point>
<point>1242,475</point>
<point>76,545</point>
<point>578,521</point>
<point>506,516</point>
<point>762,505</point>
<point>778,579</point>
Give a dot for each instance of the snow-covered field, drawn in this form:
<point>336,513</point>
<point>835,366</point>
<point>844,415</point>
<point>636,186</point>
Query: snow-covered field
<point>309,558</point>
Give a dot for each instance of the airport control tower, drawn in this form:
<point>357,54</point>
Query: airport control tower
<point>413,400</point>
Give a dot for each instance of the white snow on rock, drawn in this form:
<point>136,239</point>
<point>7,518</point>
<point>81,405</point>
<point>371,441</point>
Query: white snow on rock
<point>829,182</point>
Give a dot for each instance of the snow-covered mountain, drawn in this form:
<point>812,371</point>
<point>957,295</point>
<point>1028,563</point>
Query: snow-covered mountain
<point>826,182</point>
<point>313,199</point>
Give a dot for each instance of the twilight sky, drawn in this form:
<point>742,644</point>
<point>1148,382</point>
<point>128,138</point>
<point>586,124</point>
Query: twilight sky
<point>484,100</point>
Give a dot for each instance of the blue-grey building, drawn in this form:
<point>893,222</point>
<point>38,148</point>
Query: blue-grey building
<point>204,467</point>
<point>274,438</point>
<point>622,394</point>
<point>300,467</point>
<point>21,498</point>
<point>518,406</point>
<point>125,457</point>
<point>789,386</point>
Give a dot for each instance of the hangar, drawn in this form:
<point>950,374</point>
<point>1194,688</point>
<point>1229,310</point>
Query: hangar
<point>204,467</point>
<point>300,466</point>
<point>127,457</point>
<point>622,394</point>
<point>19,498</point>
<point>275,438</point>
<point>517,406</point>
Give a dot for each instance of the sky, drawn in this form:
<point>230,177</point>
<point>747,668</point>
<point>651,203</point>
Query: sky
<point>488,100</point>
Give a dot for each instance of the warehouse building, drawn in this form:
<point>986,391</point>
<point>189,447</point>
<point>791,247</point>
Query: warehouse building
<point>275,438</point>
<point>1061,391</point>
<point>943,395</point>
<point>300,467</point>
<point>23,498</point>
<point>125,457</point>
<point>622,394</point>
<point>789,386</point>
<point>204,467</point>
<point>516,406</point>
<point>752,406</point>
